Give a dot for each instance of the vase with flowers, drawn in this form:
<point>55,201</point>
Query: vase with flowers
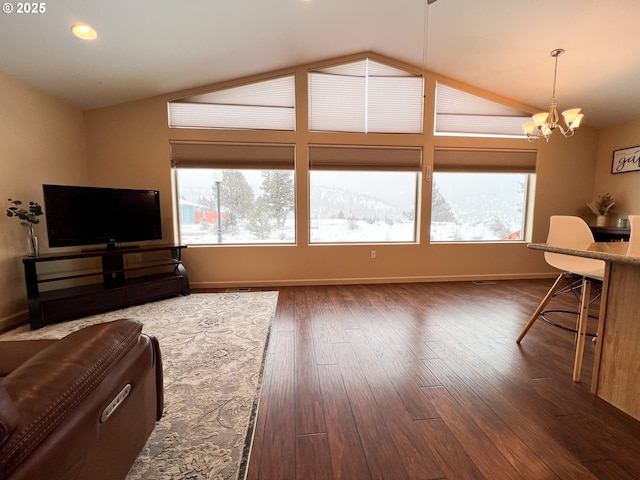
<point>29,217</point>
<point>601,207</point>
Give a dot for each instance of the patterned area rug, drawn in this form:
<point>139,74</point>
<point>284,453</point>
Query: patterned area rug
<point>213,350</point>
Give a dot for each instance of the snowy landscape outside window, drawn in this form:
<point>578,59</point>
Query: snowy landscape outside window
<point>475,207</point>
<point>362,207</point>
<point>256,206</point>
<point>363,194</point>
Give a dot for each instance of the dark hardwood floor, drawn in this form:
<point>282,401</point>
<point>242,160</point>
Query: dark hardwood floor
<point>425,381</point>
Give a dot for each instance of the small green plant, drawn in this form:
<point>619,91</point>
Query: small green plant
<point>28,216</point>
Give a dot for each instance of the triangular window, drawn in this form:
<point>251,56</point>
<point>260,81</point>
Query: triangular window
<point>463,114</point>
<point>265,105</point>
<point>366,97</point>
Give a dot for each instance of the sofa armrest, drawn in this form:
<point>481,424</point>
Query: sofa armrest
<point>9,416</point>
<point>159,377</point>
<point>46,388</point>
<point>15,352</point>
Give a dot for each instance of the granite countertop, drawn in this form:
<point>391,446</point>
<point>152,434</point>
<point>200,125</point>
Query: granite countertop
<point>622,252</point>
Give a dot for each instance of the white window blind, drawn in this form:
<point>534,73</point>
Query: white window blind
<point>265,105</point>
<point>365,97</point>
<point>484,160</point>
<point>337,103</point>
<point>461,113</point>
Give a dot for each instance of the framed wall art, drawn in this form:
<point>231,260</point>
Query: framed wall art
<point>626,160</point>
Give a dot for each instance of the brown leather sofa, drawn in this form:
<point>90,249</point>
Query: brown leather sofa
<point>81,407</point>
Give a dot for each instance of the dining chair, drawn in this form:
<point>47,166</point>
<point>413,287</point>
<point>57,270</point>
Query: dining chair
<point>634,225</point>
<point>570,232</point>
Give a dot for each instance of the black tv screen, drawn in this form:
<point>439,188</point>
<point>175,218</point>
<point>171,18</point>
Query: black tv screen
<point>91,215</point>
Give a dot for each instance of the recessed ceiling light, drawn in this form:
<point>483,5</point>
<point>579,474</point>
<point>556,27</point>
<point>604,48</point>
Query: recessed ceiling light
<point>84,31</point>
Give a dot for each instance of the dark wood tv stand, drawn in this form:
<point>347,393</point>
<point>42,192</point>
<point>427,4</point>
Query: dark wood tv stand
<point>120,287</point>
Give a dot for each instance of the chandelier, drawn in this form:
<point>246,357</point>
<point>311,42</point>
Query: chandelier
<point>545,123</point>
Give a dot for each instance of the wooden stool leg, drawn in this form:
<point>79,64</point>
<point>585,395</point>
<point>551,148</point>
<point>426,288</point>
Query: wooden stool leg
<point>582,328</point>
<point>554,288</point>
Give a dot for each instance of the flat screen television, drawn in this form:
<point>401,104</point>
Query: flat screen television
<point>78,215</point>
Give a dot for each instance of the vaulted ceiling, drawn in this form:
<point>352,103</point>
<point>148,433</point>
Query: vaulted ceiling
<point>150,47</point>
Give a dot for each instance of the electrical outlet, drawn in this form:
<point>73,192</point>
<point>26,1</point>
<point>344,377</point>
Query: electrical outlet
<point>373,254</point>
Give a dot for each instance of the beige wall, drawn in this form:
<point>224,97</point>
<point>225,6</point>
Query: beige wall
<point>43,141</point>
<point>625,187</point>
<point>128,146</point>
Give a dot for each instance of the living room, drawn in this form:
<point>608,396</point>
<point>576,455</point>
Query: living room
<point>127,144</point>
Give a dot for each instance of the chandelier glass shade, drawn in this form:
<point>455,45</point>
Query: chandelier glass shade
<point>543,124</point>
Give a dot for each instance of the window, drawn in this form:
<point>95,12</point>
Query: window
<point>365,97</point>
<point>480,195</point>
<point>363,194</point>
<point>265,105</point>
<point>357,193</point>
<point>255,187</point>
<point>463,114</point>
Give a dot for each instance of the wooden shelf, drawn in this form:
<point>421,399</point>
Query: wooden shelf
<point>611,234</point>
<point>117,290</point>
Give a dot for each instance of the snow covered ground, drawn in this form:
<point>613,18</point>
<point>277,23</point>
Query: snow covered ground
<point>341,231</point>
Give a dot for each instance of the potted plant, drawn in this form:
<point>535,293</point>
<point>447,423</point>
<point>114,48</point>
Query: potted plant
<point>601,207</point>
<point>29,217</point>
